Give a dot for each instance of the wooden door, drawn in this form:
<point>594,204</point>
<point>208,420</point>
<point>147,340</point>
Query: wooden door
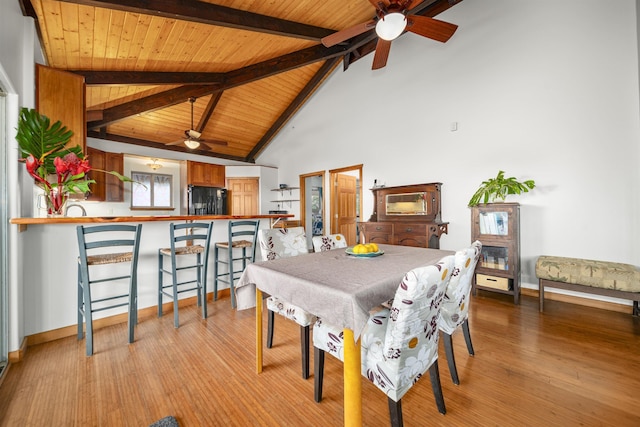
<point>243,196</point>
<point>344,220</point>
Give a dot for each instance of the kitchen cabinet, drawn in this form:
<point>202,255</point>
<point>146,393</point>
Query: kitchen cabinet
<point>205,174</point>
<point>114,187</point>
<point>107,187</point>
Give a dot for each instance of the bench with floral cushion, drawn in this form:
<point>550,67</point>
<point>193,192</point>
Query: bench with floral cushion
<point>595,277</point>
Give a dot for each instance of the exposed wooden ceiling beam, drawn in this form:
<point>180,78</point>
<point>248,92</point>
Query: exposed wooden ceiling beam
<point>150,103</point>
<point>309,88</point>
<point>232,79</point>
<point>208,111</point>
<point>96,78</point>
<point>212,14</point>
<point>161,146</point>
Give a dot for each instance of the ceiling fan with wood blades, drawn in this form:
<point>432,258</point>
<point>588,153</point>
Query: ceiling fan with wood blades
<point>393,17</point>
<point>193,135</point>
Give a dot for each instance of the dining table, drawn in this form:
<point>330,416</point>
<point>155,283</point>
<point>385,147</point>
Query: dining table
<point>338,287</point>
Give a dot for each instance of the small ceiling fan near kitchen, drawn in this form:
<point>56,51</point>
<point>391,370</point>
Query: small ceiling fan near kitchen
<point>393,17</point>
<point>192,136</point>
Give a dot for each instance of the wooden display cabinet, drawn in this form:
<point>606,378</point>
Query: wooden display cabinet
<point>497,227</point>
<point>407,215</point>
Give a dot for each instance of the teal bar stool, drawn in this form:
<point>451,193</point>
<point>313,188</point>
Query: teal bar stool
<point>243,235</point>
<point>187,240</point>
<point>94,243</point>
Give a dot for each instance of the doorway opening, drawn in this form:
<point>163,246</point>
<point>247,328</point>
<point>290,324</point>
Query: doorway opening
<point>312,212</point>
<point>346,201</point>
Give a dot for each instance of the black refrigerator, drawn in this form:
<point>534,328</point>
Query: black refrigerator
<point>206,200</point>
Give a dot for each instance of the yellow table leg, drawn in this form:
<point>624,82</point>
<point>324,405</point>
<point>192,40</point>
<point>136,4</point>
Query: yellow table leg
<point>352,381</point>
<point>258,330</point>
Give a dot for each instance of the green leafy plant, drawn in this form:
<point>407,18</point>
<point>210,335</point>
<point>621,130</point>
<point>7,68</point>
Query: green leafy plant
<point>497,189</point>
<point>36,136</point>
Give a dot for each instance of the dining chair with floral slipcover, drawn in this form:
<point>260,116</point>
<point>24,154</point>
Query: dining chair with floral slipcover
<point>328,243</point>
<point>400,342</point>
<point>455,308</point>
<point>278,243</point>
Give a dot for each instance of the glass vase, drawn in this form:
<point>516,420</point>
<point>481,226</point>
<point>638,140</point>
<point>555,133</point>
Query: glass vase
<point>56,202</point>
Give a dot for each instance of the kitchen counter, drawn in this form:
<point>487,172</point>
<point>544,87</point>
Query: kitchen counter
<point>49,252</point>
<point>22,223</point>
<point>148,218</point>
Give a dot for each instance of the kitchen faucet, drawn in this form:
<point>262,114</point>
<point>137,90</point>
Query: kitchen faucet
<point>84,212</point>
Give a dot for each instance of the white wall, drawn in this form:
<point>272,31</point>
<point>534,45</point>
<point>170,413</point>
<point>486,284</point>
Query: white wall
<point>17,52</point>
<point>543,90</point>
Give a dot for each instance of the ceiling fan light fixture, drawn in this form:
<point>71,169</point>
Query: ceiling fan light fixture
<point>193,133</point>
<point>391,26</point>
<point>190,143</point>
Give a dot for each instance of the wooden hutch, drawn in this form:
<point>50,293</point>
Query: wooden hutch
<point>408,215</point>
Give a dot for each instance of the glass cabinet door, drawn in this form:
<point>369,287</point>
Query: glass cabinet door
<point>494,223</point>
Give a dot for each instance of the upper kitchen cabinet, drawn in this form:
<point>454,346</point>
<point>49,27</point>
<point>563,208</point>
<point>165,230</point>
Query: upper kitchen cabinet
<point>107,188</point>
<point>60,96</point>
<point>205,174</point>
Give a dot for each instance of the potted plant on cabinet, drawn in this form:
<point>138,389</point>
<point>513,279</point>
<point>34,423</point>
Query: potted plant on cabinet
<point>497,189</point>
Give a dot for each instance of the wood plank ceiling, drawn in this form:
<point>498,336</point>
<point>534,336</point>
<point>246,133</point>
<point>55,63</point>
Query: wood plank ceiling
<point>250,64</point>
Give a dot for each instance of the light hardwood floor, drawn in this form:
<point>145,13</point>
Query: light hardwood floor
<point>572,365</point>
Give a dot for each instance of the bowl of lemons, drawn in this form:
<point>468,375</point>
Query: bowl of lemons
<point>364,250</point>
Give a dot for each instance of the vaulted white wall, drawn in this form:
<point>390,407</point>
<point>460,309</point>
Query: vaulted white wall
<point>543,90</point>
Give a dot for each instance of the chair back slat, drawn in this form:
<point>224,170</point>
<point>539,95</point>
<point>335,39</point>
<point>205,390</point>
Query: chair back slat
<point>110,235</point>
<point>193,232</point>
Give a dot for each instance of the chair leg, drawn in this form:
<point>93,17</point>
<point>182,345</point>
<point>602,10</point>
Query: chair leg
<point>304,347</point>
<point>318,373</point>
<point>270,319</point>
<point>233,296</point>
<point>132,316</point>
<point>160,274</point>
<point>395,412</point>
<point>198,280</point>
<point>174,275</point>
<point>215,272</point>
<point>204,288</point>
<point>451,360</point>
<point>467,336</point>
<point>88,315</point>
<point>636,309</point>
<point>80,305</point>
<point>434,374</point>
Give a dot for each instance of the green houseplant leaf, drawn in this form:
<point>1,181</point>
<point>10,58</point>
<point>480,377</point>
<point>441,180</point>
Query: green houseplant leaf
<point>37,136</point>
<point>498,188</point>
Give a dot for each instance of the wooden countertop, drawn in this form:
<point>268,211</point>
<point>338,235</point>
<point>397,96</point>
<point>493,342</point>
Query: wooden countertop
<point>150,218</point>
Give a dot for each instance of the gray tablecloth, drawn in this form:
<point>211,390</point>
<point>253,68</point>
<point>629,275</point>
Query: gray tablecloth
<point>333,285</point>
